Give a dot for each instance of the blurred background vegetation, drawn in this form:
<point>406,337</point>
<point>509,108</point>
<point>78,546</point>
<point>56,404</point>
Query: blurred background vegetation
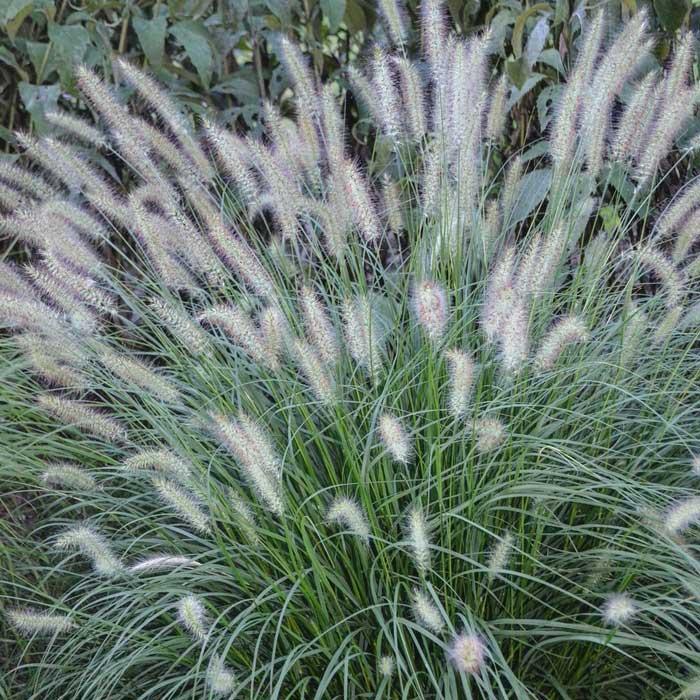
<point>219,55</point>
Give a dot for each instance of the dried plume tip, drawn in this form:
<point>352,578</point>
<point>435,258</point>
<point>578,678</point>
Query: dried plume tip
<point>94,546</point>
<point>467,652</point>
<point>619,609</point>
<point>78,415</point>
<point>30,622</point>
<point>418,534</point>
<point>462,369</point>
<point>426,612</point>
<point>192,616</point>
<point>347,512</point>
<point>431,308</point>
<point>395,438</point>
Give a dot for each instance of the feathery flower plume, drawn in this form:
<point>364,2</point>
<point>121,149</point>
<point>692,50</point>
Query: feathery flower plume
<point>490,434</point>
<point>220,679</point>
<point>668,275</point>
<point>192,616</point>
<point>618,609</point>
<point>635,119</point>
<point>509,194</point>
<point>682,515</point>
<point>433,39</point>
<point>461,371</point>
<point>496,117</point>
<point>255,455</point>
<point>686,238</point>
<point>426,613</point>
<point>26,181</point>
<point>386,100</point>
<point>139,374</point>
<point>467,652</point>
<point>333,129</point>
<point>413,99</point>
<point>347,512</point>
<point>92,545</point>
<point>244,517</point>
<point>318,326</point>
<point>361,334</point>
<point>68,475</point>
<point>237,326</point>
<point>12,282</point>
<point>77,128</point>
<point>498,558</point>
<point>499,294</point>
<point>636,324</point>
<point>361,87</point>
<point>565,332</point>
<point>418,535</point>
<point>668,324</point>
<point>550,257</point>
<point>392,209</point>
<point>315,371</point>
<point>677,213</point>
<point>30,621</point>
<point>161,562</point>
<point>299,73</point>
<point>395,438</point>
<point>356,195</point>
<point>387,666</point>
<point>75,414</point>
<point>44,362</point>
<point>432,178</point>
<point>181,326</point>
<point>183,503</point>
<point>431,308</point>
<point>161,460</point>
<point>395,20</point>
<point>273,330</point>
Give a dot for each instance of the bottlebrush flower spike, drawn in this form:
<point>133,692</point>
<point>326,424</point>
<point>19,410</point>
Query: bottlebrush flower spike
<point>682,515</point>
<point>69,476</point>
<point>347,512</point>
<point>160,460</point>
<point>361,334</point>
<point>220,679</point>
<point>395,438</point>
<point>30,622</point>
<point>426,613</point>
<point>183,503</point>
<point>386,100</point>
<point>394,17</point>
<point>467,652</point>
<point>663,268</point>
<point>413,98</point>
<point>356,195</point>
<point>418,535</point>
<point>181,326</point>
<point>94,546</point>
<point>619,609</point>
<point>498,559</point>
<point>315,371</point>
<point>566,331</point>
<point>244,517</point>
<point>77,128</point>
<point>387,666</point>
<point>192,616</point>
<point>318,326</point>
<point>461,370</point>
<point>431,308</point>
<point>490,434</point>
<point>75,414</point>
<point>495,121</point>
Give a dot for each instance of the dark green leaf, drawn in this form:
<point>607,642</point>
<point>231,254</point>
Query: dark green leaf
<point>355,16</point>
<point>193,37</point>
<point>151,34</point>
<point>13,13</point>
<point>69,46</point>
<point>37,100</point>
<point>531,190</point>
<point>333,11</point>
<point>671,13</point>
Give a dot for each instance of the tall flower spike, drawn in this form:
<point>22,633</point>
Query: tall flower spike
<point>419,539</point>
<point>78,415</point>
<point>498,559</point>
<point>298,72</point>
<point>461,371</point>
<point>663,268</point>
<point>333,128</point>
<point>315,371</point>
<point>318,326</point>
<point>431,308</point>
<point>181,326</point>
<point>386,98</point>
<point>395,438</point>
<point>358,198</point>
<point>496,118</point>
<point>64,474</point>
<point>467,652</point>
<point>361,334</point>
<point>426,613</point>
<point>392,209</point>
<point>161,562</point>
<point>192,616</point>
<point>183,503</point>
<point>565,332</point>
<point>93,546</point>
<point>394,17</point>
<point>30,622</point>
<point>77,128</point>
<point>159,460</point>
<point>434,33</point>
<point>413,98</point>
<point>347,512</point>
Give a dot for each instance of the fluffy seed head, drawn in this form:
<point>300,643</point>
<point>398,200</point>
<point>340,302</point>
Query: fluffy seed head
<point>347,512</point>
<point>161,562</point>
<point>75,414</point>
<point>426,612</point>
<point>682,515</point>
<point>192,616</point>
<point>387,666</point>
<point>69,476</point>
<point>160,460</point>
<point>183,503</point>
<point>361,334</point>
<point>395,438</point>
<point>315,371</point>
<point>695,465</point>
<point>467,652</point>
<point>461,370</point>
<point>93,546</point>
<point>431,309</point>
<point>30,622</point>
<point>565,332</point>
<point>498,559</point>
<point>618,609</point>
<point>220,679</point>
<point>419,539</point>
<point>318,326</point>
<point>490,434</point>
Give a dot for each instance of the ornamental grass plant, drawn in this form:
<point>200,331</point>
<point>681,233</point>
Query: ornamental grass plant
<point>285,423</point>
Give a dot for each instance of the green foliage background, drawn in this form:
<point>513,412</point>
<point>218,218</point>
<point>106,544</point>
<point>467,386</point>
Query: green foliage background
<point>219,55</point>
